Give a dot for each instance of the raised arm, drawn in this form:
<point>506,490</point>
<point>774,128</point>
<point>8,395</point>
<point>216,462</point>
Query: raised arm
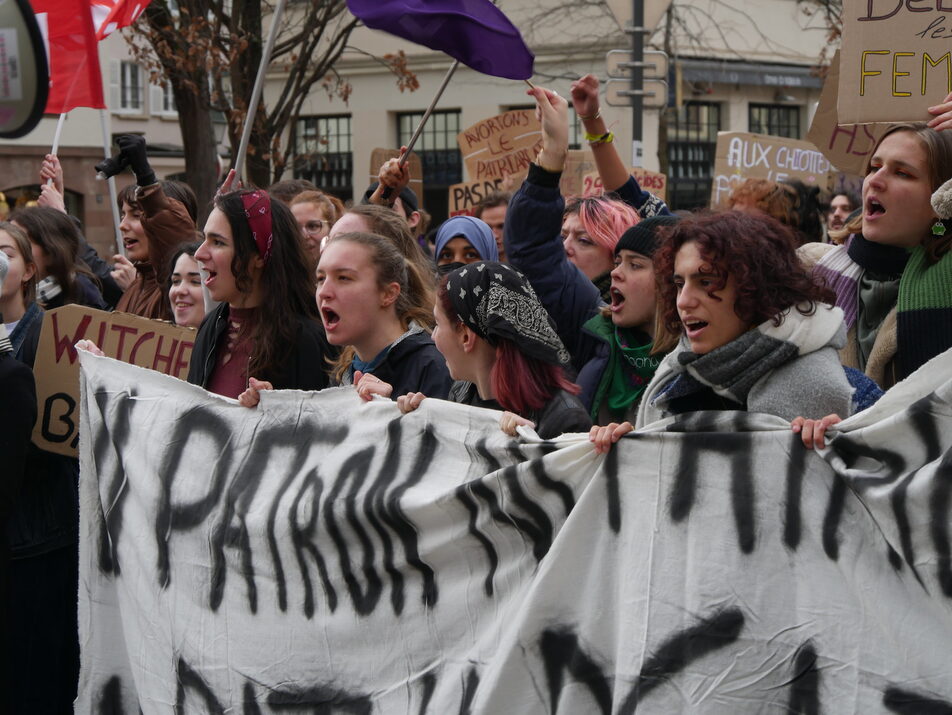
<point>611,168</point>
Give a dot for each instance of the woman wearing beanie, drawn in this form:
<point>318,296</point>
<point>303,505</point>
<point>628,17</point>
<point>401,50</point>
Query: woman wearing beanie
<point>461,240</point>
<point>756,334</point>
<point>612,367</point>
<point>892,271</point>
<point>501,348</point>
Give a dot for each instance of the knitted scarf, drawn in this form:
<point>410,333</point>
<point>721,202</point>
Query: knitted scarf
<point>924,310</point>
<point>733,369</point>
<point>844,266</point>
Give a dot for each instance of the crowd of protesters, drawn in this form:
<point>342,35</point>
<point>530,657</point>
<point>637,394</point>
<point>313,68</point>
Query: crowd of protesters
<point>566,314</point>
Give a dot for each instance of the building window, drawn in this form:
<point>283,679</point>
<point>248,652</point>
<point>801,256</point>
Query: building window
<point>439,154</point>
<point>323,154</point>
<point>692,143</point>
<point>778,120</point>
<point>131,87</point>
<point>161,99</point>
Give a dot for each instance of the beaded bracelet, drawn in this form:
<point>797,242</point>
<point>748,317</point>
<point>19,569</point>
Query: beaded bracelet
<point>606,138</point>
<point>598,113</point>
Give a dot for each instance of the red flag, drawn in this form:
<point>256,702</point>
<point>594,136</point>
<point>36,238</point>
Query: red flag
<point>75,77</point>
<point>112,15</point>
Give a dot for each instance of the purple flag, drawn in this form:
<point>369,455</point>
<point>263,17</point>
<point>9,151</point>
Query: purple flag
<point>475,32</point>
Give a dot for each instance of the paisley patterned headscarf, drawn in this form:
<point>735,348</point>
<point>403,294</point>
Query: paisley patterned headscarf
<point>497,302</point>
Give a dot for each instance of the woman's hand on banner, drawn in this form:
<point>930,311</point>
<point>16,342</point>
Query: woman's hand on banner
<point>603,437</point>
<point>510,420</point>
<point>813,432</point>
<point>369,385</point>
<point>410,401</point>
<point>90,347</point>
<point>252,396</point>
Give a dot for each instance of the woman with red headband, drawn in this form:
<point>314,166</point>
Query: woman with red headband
<point>267,325</point>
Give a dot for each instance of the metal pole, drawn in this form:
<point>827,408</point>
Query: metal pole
<point>258,88</point>
<point>111,182</point>
<point>429,111</point>
<point>637,82</point>
<point>387,192</point>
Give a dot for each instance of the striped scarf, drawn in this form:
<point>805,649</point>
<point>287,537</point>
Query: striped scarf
<point>842,269</point>
<point>924,310</point>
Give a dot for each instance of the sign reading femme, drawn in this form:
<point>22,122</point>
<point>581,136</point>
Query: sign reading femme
<point>741,156</point>
<point>147,343</point>
<point>502,145</point>
<point>847,146</point>
<point>896,60</point>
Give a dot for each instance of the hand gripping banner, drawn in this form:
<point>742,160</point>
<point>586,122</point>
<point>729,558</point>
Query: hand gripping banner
<point>320,554</point>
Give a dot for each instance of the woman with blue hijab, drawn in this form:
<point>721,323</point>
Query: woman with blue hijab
<point>462,240</point>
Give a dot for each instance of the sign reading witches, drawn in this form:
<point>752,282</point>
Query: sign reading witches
<point>149,343</point>
<point>895,60</point>
<point>740,156</point>
<point>501,145</point>
<point>320,553</point>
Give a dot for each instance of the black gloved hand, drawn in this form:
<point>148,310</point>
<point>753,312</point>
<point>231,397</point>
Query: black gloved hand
<point>132,147</point>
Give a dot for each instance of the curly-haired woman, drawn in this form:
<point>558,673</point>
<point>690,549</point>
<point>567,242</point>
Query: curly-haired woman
<point>756,334</point>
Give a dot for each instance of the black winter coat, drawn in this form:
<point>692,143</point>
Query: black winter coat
<point>304,369</point>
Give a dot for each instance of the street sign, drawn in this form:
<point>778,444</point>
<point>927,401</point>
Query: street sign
<point>619,64</point>
<point>618,93</point>
<point>623,12</point>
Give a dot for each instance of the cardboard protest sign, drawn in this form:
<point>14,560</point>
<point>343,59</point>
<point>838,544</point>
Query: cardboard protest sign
<point>464,197</point>
<point>740,156</point>
<point>652,181</point>
<point>379,156</point>
<point>501,145</point>
<point>895,60</point>
<point>578,165</point>
<point>324,554</point>
<point>847,146</point>
<point>147,343</point>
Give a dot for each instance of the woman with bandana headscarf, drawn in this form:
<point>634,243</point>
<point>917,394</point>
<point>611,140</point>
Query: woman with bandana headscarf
<point>501,348</point>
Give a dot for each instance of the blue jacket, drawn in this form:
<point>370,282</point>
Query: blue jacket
<point>534,245</point>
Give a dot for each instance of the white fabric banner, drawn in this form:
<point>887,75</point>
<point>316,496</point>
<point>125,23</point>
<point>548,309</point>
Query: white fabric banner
<point>319,554</point>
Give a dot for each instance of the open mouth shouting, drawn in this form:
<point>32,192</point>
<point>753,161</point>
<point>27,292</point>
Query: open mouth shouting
<point>693,328</point>
<point>330,319</point>
<point>873,208</point>
<point>617,298</point>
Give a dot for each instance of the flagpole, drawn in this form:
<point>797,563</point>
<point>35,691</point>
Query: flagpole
<point>429,111</point>
<point>426,115</point>
<point>54,150</point>
<point>113,196</point>
<point>258,88</point>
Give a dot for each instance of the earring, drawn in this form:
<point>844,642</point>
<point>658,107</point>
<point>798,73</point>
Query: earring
<point>938,228</point>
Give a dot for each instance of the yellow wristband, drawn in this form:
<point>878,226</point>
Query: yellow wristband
<point>606,138</point>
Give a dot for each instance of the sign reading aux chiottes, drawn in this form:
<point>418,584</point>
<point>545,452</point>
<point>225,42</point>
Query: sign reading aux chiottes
<point>896,59</point>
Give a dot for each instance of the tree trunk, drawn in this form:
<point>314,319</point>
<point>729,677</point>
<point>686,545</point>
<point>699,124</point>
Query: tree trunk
<point>201,149</point>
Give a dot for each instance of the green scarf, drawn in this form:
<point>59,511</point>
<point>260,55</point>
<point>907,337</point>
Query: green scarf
<point>924,310</point>
<point>629,370</point>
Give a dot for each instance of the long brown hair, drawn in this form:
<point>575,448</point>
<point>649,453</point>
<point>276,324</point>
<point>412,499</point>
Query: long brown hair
<point>28,289</point>
<point>938,148</point>
<point>415,302</point>
<point>59,239</point>
<point>287,284</point>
